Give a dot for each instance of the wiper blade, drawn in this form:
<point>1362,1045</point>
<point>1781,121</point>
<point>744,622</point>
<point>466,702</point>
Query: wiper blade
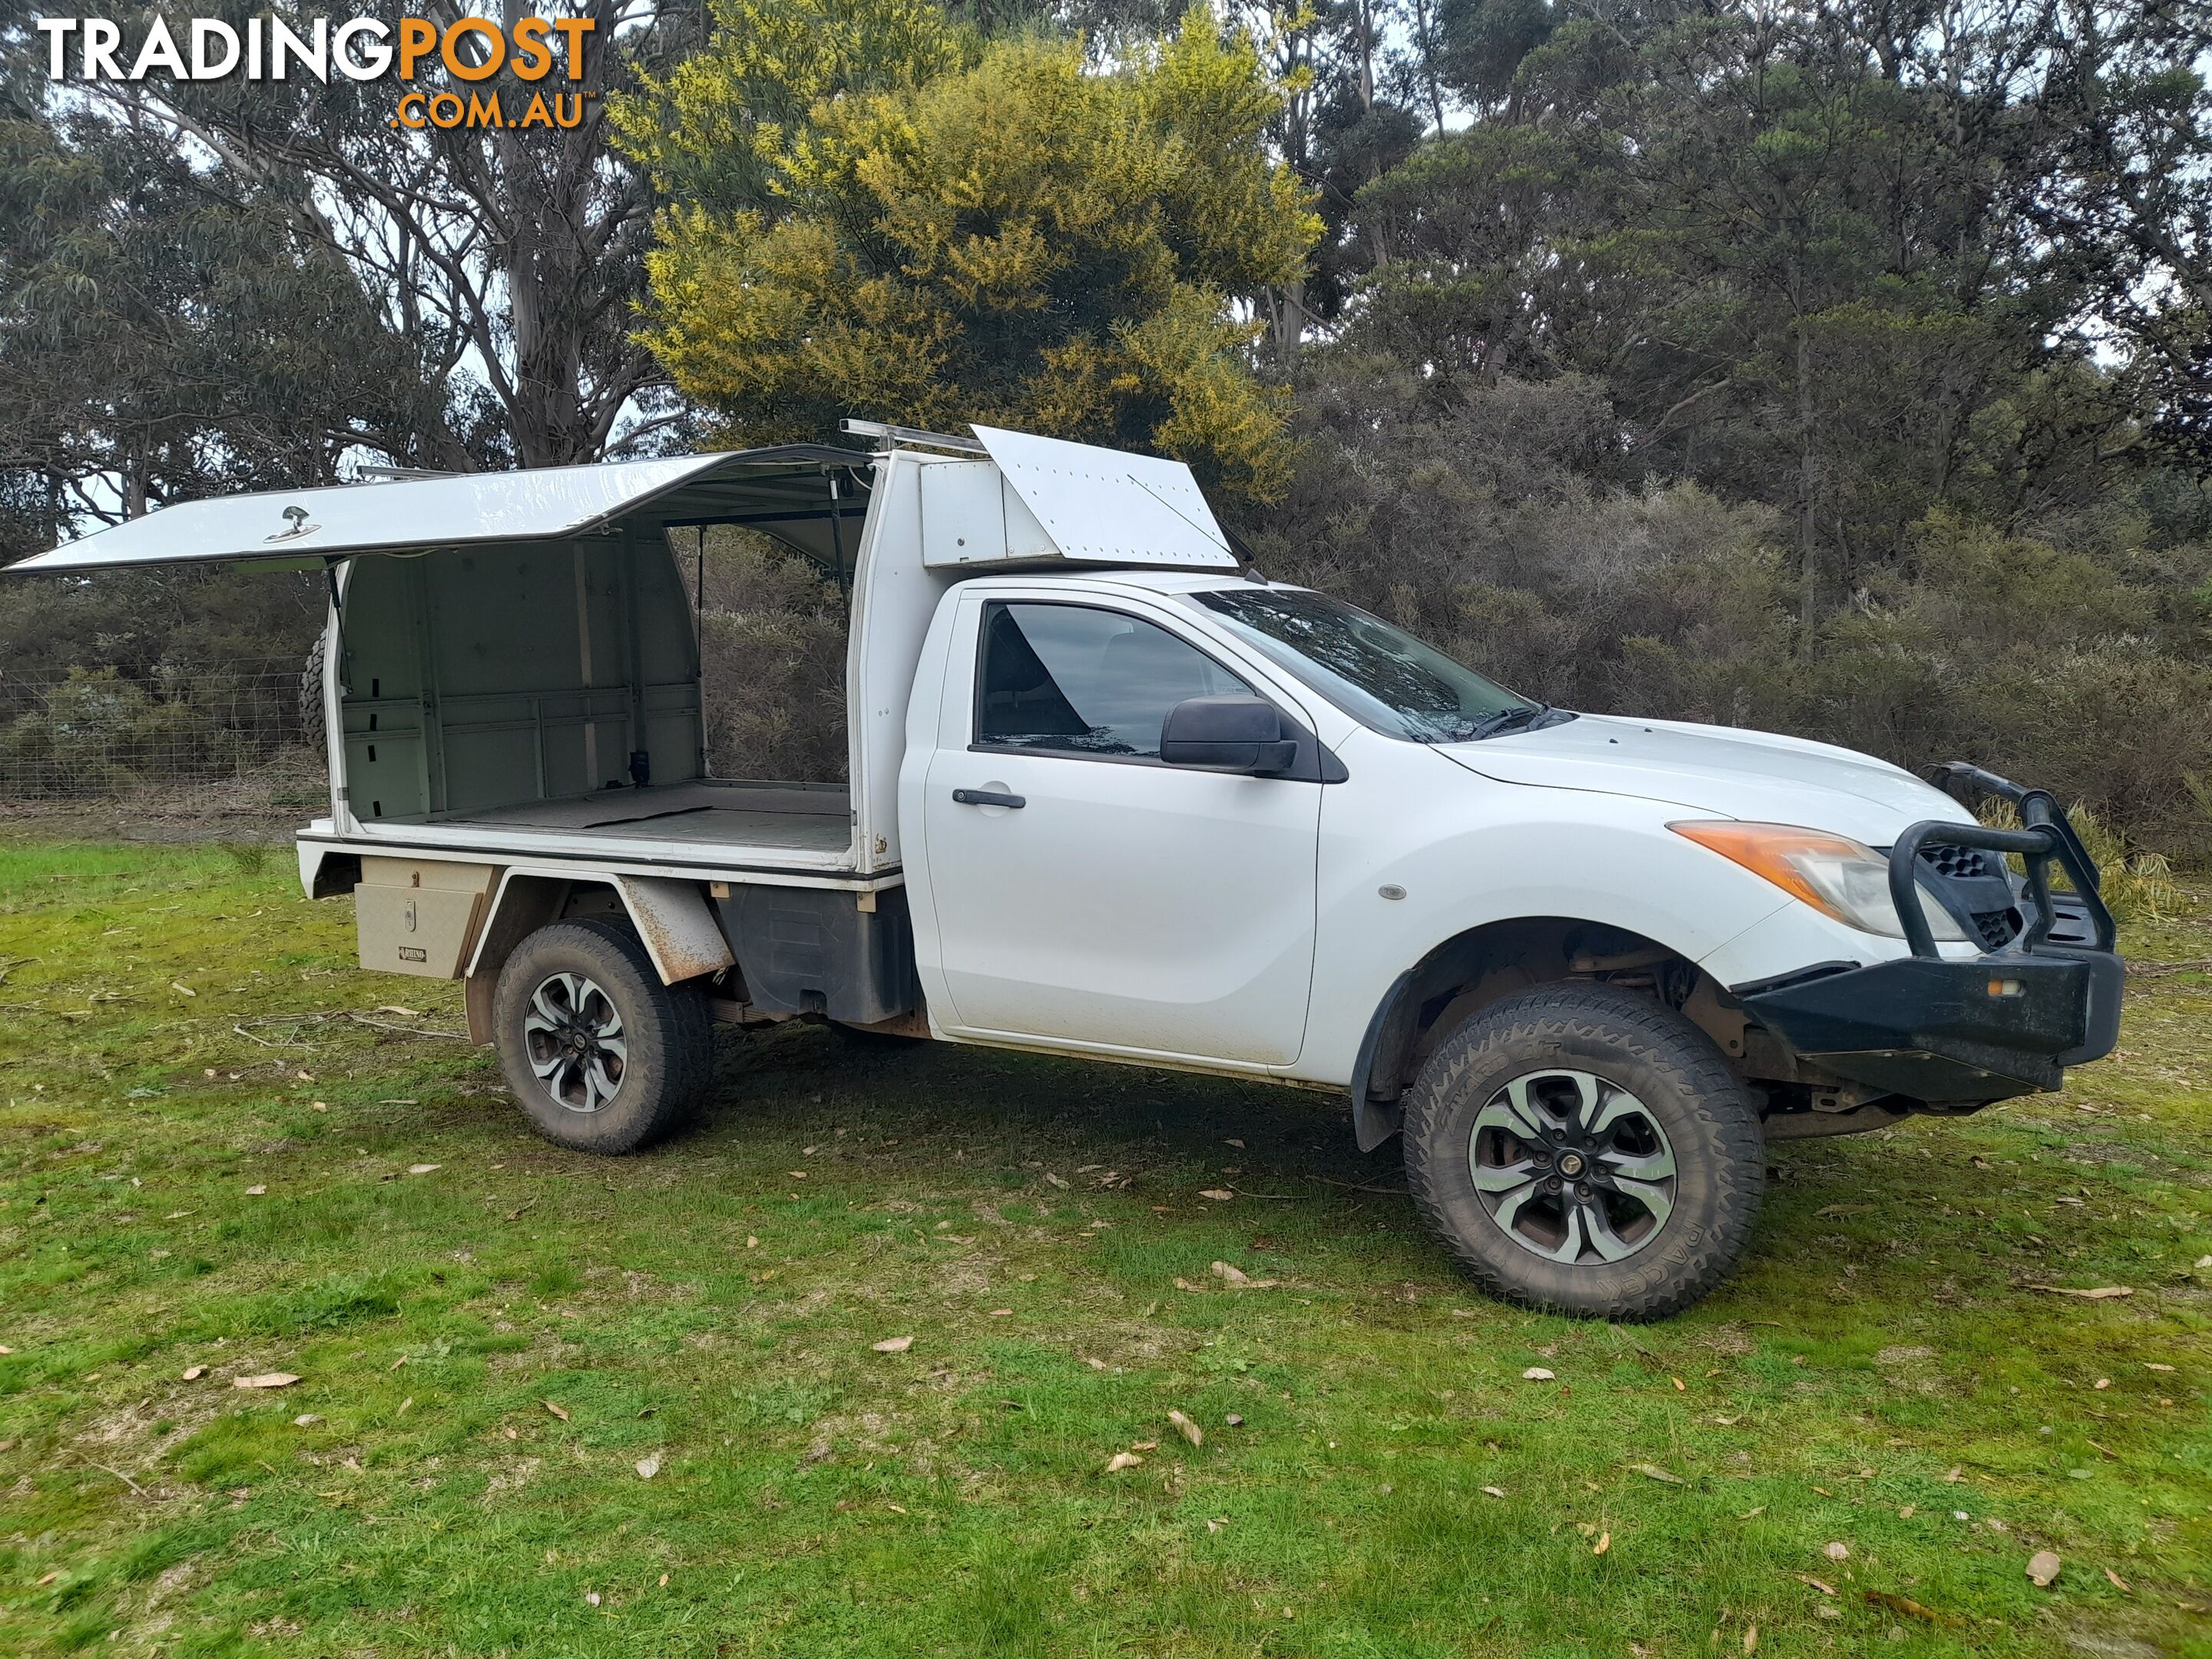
<point>1508,719</point>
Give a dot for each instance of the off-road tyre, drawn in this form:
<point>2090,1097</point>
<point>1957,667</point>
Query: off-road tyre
<point>1673,1075</point>
<point>667,1064</point>
<point>314,728</point>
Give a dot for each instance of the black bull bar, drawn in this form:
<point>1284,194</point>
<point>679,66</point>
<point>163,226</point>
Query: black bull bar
<point>1966,1030</point>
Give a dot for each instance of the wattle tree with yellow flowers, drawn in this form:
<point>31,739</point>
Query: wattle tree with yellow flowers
<point>875,214</point>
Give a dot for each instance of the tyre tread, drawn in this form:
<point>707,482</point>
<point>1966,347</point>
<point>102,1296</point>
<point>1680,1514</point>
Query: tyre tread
<point>1659,1037</point>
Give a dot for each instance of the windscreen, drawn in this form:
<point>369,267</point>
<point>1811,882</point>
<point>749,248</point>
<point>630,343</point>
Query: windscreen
<point>1380,675</point>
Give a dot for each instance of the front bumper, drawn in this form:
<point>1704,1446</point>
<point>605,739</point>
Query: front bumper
<point>1952,1032</point>
<point>1967,1032</point>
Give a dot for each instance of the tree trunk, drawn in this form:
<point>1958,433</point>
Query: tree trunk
<point>1809,538</point>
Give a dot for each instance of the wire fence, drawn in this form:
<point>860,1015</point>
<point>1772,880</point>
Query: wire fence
<point>182,729</point>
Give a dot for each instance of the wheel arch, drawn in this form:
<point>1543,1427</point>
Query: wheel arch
<point>1463,973</point>
<point>674,920</point>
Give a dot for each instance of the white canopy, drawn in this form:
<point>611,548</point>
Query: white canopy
<point>306,528</point>
<point>1107,506</point>
<point>1050,498</point>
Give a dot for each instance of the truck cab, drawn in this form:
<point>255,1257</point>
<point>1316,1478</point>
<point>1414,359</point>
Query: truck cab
<point>1112,793</point>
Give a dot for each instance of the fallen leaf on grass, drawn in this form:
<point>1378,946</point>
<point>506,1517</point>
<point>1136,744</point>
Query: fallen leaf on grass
<point>256,1191</point>
<point>306,1421</point>
<point>2102,1293</point>
<point>1807,1578</point>
<point>264,1380</point>
<point>1604,1543</point>
<point>423,1169</point>
<point>1120,1460</point>
<point>1751,1638</point>
<point>560,1411</point>
<point>1905,1605</point>
<point>893,1345</point>
<point>1237,1279</point>
<point>394,1008</point>
<point>2043,1568</point>
<point>1653,1472</point>
<point>2153,1365</point>
<point>1188,1430</point>
<point>1535,1374</point>
<point>182,988</point>
<point>1681,1386</point>
<point>1057,1181</point>
<point>1219,1195</point>
<point>1837,1551</point>
<point>648,1467</point>
<point>1494,1491</point>
<point>2118,1582</point>
<point>193,1373</point>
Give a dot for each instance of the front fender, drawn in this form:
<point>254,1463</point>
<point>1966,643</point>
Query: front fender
<point>1461,851</point>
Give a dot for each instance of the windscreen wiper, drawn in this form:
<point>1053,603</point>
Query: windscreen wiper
<point>1508,719</point>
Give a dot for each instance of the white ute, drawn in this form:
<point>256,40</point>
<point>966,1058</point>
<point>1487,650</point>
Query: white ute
<point>1114,794</point>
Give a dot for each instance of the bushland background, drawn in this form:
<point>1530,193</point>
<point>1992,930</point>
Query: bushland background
<point>1840,369</point>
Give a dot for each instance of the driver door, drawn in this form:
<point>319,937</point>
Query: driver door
<point>1123,905</point>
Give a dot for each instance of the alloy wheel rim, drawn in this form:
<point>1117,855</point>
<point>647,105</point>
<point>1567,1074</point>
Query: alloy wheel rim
<point>1572,1167</point>
<point>573,1035</point>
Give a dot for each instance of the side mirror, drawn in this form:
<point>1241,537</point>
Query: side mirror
<point>1236,733</point>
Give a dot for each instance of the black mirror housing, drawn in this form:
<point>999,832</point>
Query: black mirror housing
<point>1233,733</point>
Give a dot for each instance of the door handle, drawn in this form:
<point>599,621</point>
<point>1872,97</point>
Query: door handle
<point>987,797</point>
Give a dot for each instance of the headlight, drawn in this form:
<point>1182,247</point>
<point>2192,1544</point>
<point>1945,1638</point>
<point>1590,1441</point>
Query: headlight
<point>1834,874</point>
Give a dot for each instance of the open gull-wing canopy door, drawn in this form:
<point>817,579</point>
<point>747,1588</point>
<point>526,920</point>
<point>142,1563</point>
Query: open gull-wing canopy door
<point>782,492</point>
<point>501,640</point>
<point>1045,499</point>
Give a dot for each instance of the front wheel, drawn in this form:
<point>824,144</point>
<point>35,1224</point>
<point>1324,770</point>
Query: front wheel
<point>1585,1149</point>
<point>600,1056</point>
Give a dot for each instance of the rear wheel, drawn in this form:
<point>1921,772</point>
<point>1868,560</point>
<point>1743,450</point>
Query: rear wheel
<point>1586,1150</point>
<point>600,1056</point>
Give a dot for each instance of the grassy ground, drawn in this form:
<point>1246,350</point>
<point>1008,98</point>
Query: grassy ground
<point>218,1158</point>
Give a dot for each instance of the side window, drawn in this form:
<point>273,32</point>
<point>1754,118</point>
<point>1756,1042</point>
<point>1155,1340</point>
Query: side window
<point>1084,681</point>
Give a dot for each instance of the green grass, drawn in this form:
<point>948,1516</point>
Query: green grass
<point>1880,1367</point>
